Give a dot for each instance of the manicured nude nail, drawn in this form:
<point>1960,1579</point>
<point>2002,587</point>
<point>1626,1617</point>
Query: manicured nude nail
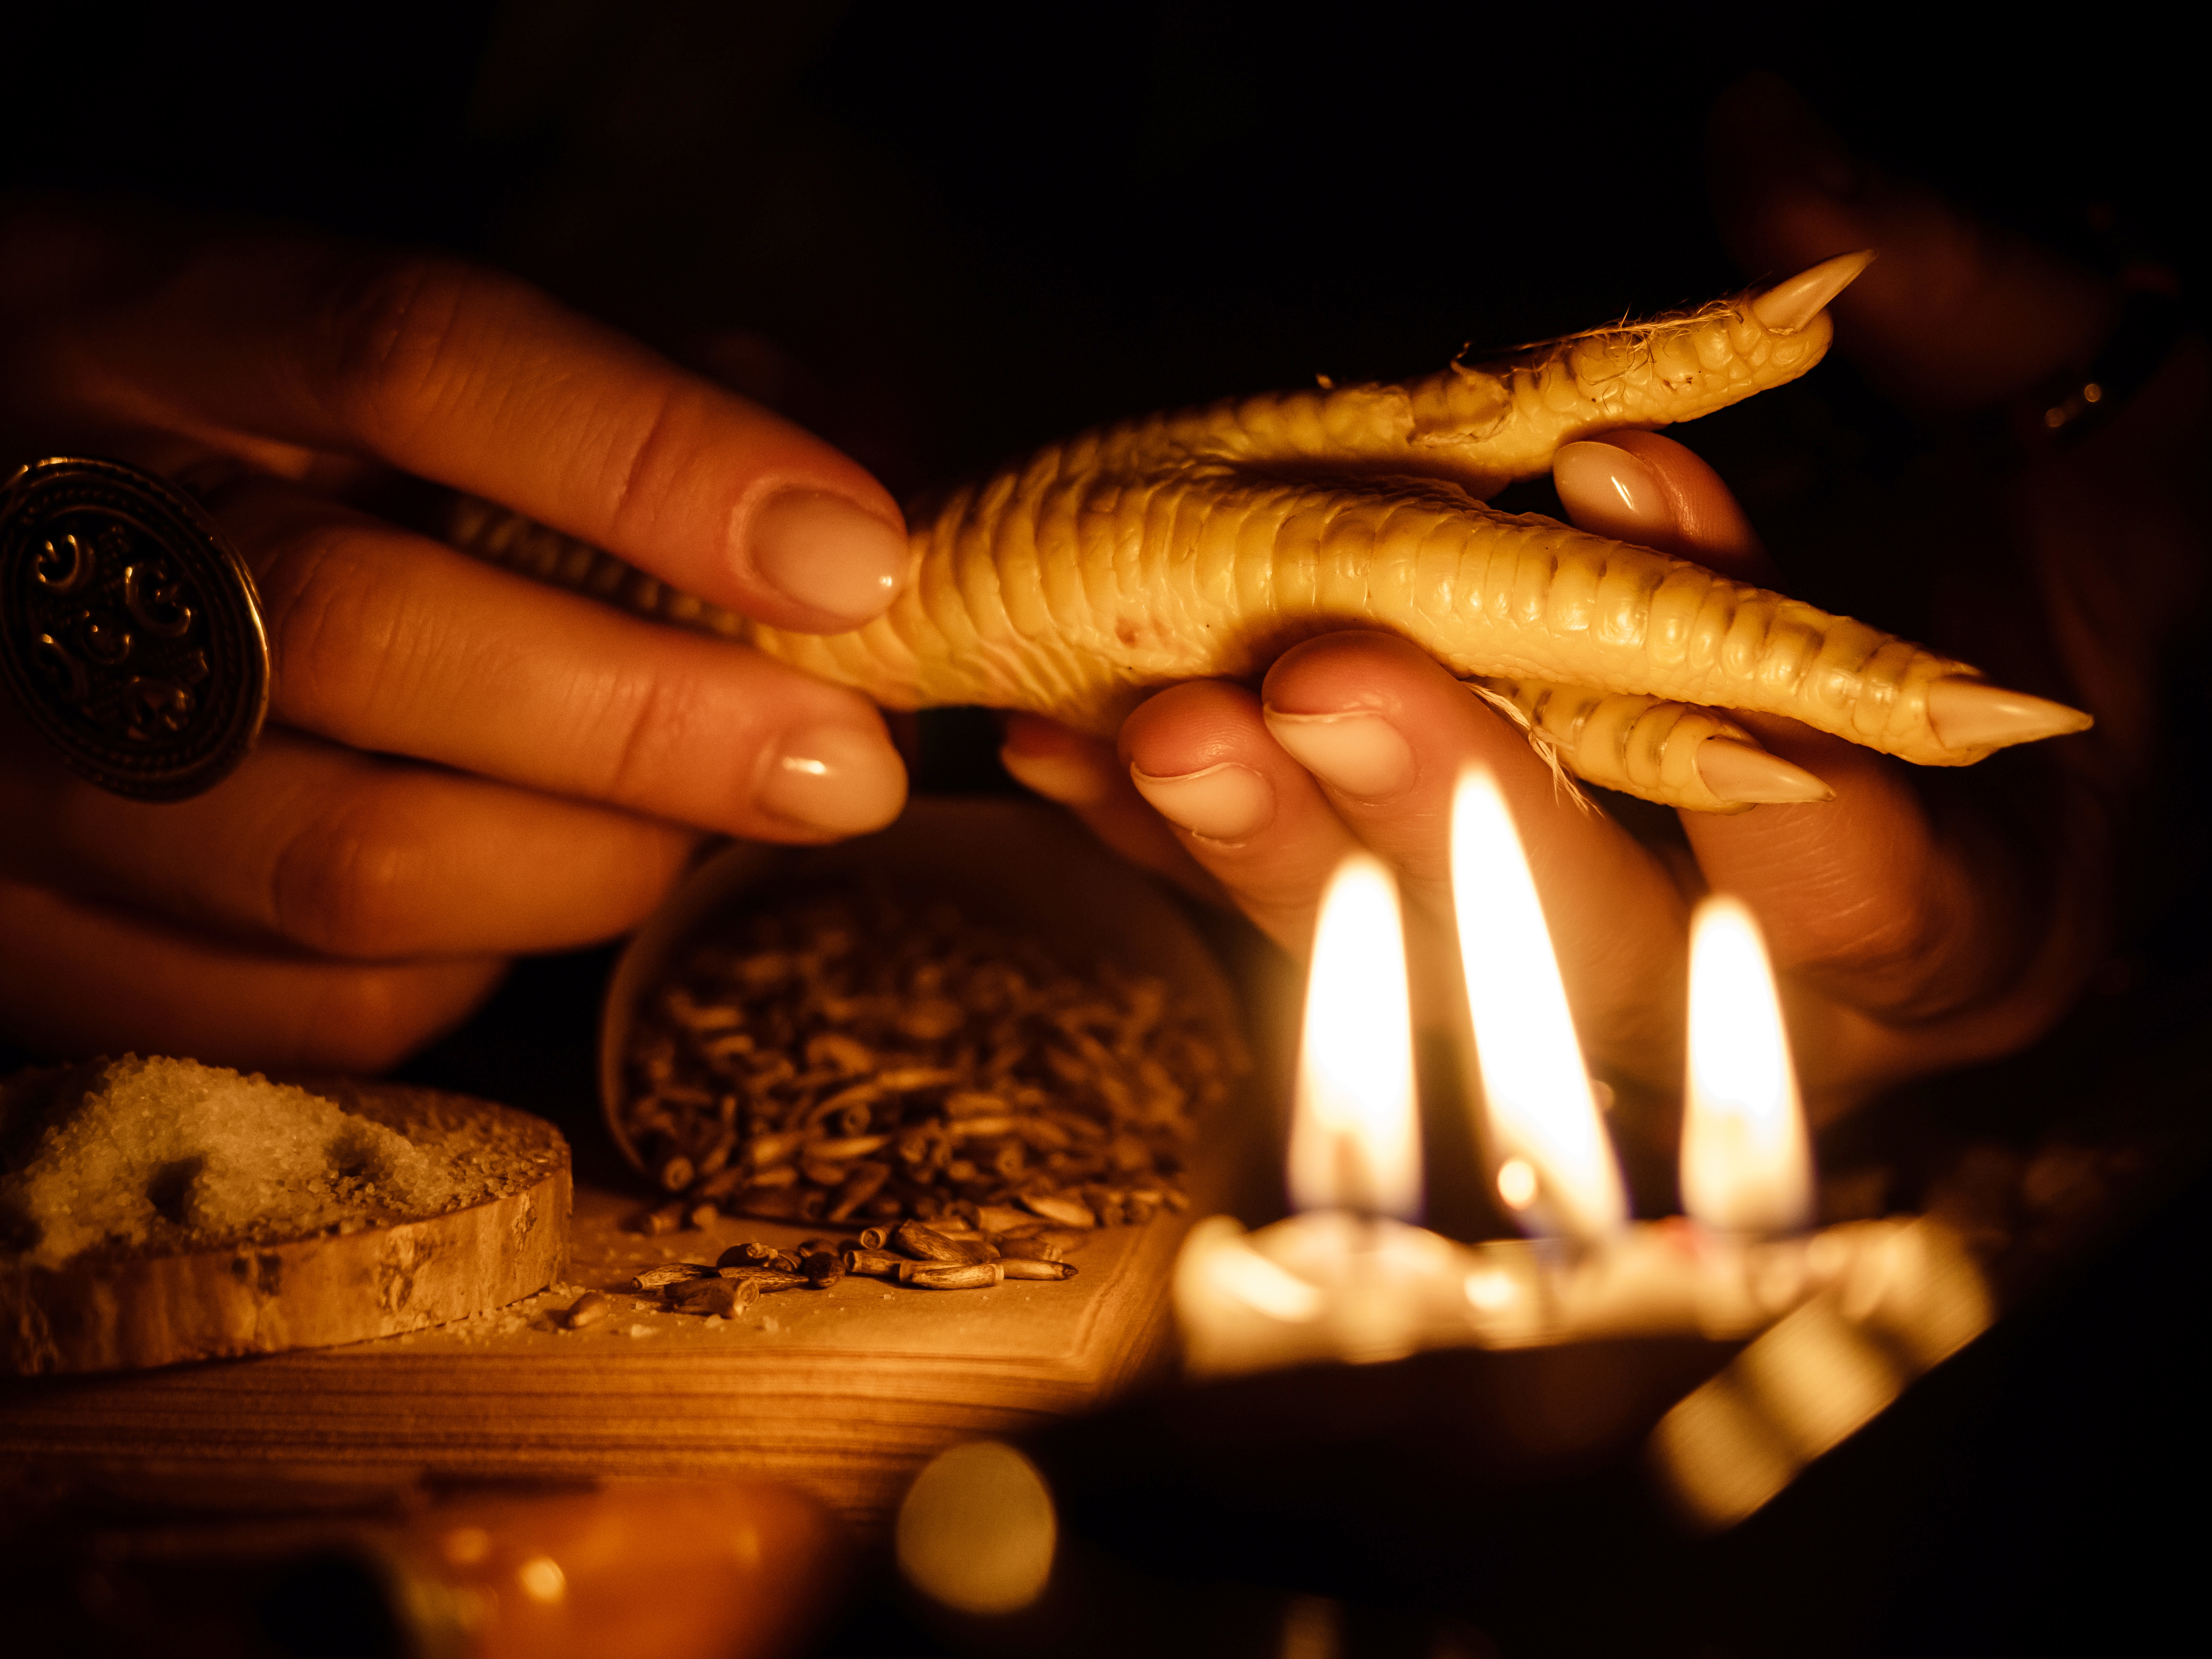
<point>1226,802</point>
<point>1745,776</point>
<point>1361,754</point>
<point>826,552</point>
<point>1067,778</point>
<point>1975,715</point>
<point>842,779</point>
<point>1608,490</point>
<point>1797,301</point>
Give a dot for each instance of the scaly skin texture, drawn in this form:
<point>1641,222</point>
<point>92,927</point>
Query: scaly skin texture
<point>1203,543</point>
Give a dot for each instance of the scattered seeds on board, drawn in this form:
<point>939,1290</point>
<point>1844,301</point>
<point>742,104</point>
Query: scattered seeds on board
<point>588,1310</point>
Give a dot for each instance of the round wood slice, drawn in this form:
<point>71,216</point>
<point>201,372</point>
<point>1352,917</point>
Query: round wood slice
<point>117,1310</point>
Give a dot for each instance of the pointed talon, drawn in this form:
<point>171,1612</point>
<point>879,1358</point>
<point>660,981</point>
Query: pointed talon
<point>1797,301</point>
<point>1744,776</point>
<point>1975,715</point>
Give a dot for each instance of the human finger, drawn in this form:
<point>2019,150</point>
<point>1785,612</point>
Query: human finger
<point>457,374</point>
<point>1642,488</point>
<point>1201,756</point>
<point>1086,776</point>
<point>1930,940</point>
<point>343,855</point>
<point>1387,731</point>
<point>1953,314</point>
<point>390,642</point>
<point>82,978</point>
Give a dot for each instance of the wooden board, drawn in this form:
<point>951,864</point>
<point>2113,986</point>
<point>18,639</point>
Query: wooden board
<point>100,1311</point>
<point>844,1393</point>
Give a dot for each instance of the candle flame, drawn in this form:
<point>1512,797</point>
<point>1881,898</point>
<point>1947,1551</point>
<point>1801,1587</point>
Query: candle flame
<point>1746,1167</point>
<point>1542,1113</point>
<point>1354,1136</point>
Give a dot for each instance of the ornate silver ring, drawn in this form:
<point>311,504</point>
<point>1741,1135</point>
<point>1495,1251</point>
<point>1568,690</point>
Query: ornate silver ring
<point>131,633</point>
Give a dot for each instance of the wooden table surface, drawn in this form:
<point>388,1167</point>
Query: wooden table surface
<point>844,1393</point>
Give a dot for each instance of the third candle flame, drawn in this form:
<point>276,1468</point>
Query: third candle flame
<point>1551,1158</point>
<point>1747,1166</point>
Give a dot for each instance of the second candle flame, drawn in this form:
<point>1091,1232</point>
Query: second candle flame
<point>1549,1150</point>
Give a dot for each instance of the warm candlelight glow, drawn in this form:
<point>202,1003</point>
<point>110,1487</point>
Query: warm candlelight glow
<point>1542,1115</point>
<point>1354,1136</point>
<point>1746,1165</point>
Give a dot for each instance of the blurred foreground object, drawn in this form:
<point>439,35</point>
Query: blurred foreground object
<point>662,1571</point>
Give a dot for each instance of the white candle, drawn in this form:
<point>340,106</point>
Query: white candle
<point>1351,1278</point>
<point>1347,1278</point>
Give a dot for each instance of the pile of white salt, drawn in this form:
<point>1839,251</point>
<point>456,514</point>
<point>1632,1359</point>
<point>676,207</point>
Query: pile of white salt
<point>178,1155</point>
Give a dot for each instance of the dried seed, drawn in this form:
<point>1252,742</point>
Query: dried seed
<point>667,1219</point>
<point>1028,1249</point>
<point>767,1280</point>
<point>675,1173</point>
<point>723,1184</point>
<point>970,1276</point>
<point>1065,1211</point>
<point>849,1146</point>
<point>822,1269</point>
<point>719,1297</point>
<point>588,1310</point>
<point>931,1018</point>
<point>754,1253</point>
<point>768,1150</point>
<point>861,1184</point>
<point>906,1079</point>
<point>841,1053</point>
<point>704,1215</point>
<point>874,1264</point>
<point>674,1272</point>
<point>872,1238</point>
<point>1017,1266</point>
<point>928,1244</point>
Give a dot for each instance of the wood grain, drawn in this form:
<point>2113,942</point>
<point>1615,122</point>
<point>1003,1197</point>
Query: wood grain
<point>109,1310</point>
<point>843,1393</point>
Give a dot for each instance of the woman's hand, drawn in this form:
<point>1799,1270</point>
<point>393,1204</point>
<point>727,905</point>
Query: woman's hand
<point>1921,921</point>
<point>460,764</point>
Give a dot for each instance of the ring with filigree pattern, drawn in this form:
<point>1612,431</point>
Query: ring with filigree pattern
<point>131,634</point>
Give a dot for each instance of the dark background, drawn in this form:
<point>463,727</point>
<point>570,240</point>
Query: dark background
<point>939,236</point>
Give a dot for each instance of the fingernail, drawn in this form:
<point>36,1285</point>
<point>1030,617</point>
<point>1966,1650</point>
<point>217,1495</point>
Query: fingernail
<point>1975,715</point>
<point>1745,776</point>
<point>827,552</point>
<point>842,779</point>
<point>1792,303</point>
<point>1226,802</point>
<point>1065,778</point>
<point>1606,489</point>
<point>1361,754</point>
